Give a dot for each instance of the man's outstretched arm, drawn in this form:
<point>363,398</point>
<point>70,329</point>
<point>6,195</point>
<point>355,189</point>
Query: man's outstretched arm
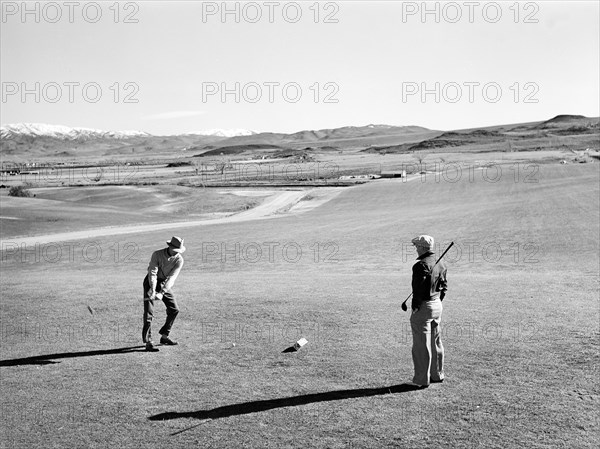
<point>172,276</point>
<point>153,271</point>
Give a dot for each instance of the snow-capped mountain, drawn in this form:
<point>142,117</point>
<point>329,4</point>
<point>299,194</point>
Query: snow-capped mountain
<point>380,126</point>
<point>224,132</point>
<point>63,132</point>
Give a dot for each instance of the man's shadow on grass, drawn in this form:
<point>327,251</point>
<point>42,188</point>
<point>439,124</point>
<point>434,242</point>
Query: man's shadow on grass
<point>50,358</point>
<point>245,408</point>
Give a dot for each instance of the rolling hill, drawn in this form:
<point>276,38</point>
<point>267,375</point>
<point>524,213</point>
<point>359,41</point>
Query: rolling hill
<point>26,142</point>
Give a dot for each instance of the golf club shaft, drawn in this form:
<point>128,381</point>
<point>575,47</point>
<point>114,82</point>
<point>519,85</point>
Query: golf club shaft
<point>440,258</point>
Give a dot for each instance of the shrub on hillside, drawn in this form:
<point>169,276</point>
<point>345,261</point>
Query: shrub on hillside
<point>19,191</point>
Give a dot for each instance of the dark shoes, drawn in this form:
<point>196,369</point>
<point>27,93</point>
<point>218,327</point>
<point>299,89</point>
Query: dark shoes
<point>433,381</point>
<point>164,340</point>
<point>150,347</point>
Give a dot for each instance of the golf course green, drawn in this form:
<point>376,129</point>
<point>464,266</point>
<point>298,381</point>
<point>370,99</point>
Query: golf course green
<point>520,325</point>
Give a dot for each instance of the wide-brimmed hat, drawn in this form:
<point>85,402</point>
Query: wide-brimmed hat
<point>424,241</point>
<point>176,244</point>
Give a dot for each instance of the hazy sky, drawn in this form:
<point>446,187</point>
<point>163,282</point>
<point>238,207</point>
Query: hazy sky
<point>171,67</point>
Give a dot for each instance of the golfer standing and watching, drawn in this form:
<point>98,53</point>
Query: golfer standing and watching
<point>165,265</point>
<point>429,288</point>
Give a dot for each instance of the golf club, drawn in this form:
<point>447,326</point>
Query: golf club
<point>443,254</point>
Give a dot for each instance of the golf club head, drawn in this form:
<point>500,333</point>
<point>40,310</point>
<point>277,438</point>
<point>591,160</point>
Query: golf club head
<point>404,307</point>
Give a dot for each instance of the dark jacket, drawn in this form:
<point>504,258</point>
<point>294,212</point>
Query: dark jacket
<point>427,284</point>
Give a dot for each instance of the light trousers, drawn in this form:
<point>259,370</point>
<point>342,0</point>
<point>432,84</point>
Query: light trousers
<point>427,350</point>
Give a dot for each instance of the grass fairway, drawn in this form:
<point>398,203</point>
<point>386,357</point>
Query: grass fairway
<point>64,209</point>
<point>520,326</point>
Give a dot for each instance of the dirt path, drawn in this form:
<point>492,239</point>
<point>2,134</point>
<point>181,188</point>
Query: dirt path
<point>274,206</point>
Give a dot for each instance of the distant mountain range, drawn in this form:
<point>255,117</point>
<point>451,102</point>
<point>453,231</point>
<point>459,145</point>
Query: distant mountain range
<point>68,133</point>
<point>63,132</point>
<point>26,141</point>
<point>222,132</point>
<point>35,140</point>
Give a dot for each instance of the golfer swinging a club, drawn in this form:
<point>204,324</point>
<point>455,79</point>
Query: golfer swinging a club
<point>429,288</point>
<point>165,265</point>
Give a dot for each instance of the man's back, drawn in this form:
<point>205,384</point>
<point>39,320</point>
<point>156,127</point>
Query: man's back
<point>429,279</point>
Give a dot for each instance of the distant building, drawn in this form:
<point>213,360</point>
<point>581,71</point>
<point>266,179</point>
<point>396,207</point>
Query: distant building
<point>393,173</point>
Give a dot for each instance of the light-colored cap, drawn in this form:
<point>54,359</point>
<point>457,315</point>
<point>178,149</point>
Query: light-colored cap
<point>424,241</point>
